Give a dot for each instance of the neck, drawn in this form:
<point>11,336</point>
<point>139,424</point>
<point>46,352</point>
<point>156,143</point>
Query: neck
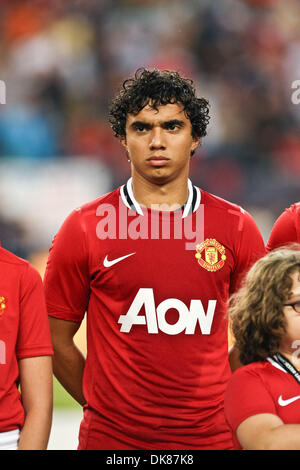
<point>171,195</point>
<point>292,357</point>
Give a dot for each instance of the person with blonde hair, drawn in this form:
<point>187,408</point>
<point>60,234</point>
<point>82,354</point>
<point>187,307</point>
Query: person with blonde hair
<point>262,399</point>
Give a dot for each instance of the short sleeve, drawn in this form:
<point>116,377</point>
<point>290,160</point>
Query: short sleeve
<point>286,229</point>
<point>245,396</point>
<point>34,331</point>
<point>66,279</point>
<point>251,247</point>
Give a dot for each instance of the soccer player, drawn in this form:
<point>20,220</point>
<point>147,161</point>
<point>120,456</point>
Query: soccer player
<point>152,263</point>
<point>262,400</point>
<point>286,228</point>
<point>25,357</point>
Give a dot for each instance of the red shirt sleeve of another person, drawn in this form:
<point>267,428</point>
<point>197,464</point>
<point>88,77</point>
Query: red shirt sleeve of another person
<point>246,396</point>
<point>286,229</point>
<point>34,332</point>
<point>24,332</point>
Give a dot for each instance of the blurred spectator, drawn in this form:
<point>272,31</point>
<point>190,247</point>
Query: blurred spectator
<point>12,237</point>
<point>26,132</point>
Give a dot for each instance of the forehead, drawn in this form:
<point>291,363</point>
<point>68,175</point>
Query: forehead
<point>296,282</point>
<point>163,113</point>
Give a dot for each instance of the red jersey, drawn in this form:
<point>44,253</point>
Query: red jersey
<point>261,387</point>
<point>24,331</point>
<point>157,351</point>
<point>286,228</point>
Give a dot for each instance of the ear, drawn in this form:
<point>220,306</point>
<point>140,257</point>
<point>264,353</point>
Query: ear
<point>195,143</point>
<point>124,142</point>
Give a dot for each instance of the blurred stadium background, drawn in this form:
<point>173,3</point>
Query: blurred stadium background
<point>62,62</point>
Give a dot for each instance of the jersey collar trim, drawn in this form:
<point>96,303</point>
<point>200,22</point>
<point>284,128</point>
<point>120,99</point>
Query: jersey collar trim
<point>278,366</point>
<point>190,206</point>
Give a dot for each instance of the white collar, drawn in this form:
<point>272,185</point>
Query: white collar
<point>276,365</point>
<point>192,204</point>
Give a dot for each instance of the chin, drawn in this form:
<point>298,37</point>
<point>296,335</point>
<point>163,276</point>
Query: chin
<point>160,178</point>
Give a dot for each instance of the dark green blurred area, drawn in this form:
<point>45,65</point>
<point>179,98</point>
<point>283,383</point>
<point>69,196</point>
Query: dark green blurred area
<point>61,399</point>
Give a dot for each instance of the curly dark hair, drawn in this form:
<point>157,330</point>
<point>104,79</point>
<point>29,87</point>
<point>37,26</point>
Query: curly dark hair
<point>158,87</point>
<point>256,310</point>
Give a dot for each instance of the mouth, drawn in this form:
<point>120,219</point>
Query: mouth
<point>158,160</point>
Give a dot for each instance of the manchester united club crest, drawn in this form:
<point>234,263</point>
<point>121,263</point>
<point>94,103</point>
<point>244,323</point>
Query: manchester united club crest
<point>210,255</point>
<point>2,305</point>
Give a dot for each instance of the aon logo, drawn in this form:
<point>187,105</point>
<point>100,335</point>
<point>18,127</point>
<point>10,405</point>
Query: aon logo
<point>155,317</point>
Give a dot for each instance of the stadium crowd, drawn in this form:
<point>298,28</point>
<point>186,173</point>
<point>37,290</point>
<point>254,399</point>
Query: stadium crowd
<point>62,62</point>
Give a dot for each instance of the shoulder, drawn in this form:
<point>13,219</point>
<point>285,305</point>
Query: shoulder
<point>217,202</point>
<point>248,377</point>
<point>9,259</point>
<point>14,266</point>
<point>286,228</point>
<point>295,208</point>
<point>230,213</point>
<point>111,198</point>
<point>252,369</point>
<point>256,372</point>
<point>292,212</point>
<point>79,219</point>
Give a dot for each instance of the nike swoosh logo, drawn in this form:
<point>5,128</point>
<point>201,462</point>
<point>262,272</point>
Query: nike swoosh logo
<point>108,263</point>
<point>283,402</point>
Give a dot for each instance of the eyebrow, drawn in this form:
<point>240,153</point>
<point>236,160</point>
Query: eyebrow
<point>163,124</point>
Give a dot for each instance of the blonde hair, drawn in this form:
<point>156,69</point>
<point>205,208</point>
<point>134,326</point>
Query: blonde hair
<point>256,311</point>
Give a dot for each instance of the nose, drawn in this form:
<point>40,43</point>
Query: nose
<point>157,140</point>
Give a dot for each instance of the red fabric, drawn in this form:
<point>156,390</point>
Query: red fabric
<point>255,389</point>
<point>286,228</point>
<point>24,331</point>
<point>161,381</point>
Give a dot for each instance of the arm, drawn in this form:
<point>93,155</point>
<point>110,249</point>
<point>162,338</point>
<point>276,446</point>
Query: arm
<point>67,289</point>
<point>267,432</point>
<point>36,394</point>
<point>68,361</point>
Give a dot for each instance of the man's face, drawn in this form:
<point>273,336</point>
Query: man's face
<point>159,143</point>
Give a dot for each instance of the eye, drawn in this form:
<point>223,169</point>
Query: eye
<point>140,128</point>
<point>172,126</point>
<point>296,306</point>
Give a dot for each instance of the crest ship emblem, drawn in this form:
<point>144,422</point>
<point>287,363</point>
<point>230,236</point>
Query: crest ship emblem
<point>210,255</point>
